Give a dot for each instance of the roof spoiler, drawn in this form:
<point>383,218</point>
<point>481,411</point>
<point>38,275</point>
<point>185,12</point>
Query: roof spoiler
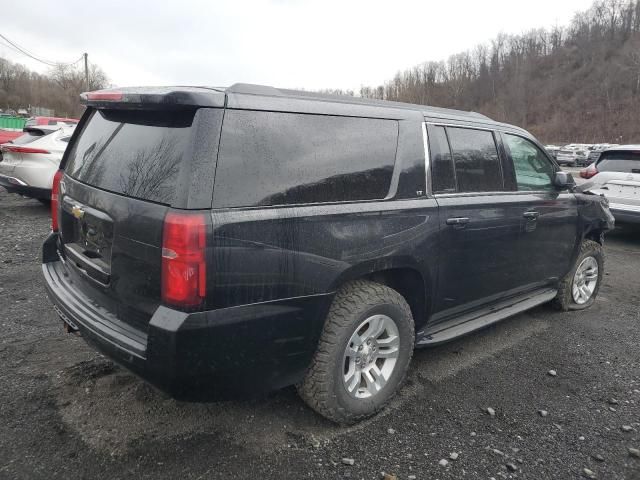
<point>160,98</point>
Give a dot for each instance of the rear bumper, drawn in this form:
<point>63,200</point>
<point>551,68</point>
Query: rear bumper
<point>207,355</point>
<point>625,213</point>
<point>15,185</point>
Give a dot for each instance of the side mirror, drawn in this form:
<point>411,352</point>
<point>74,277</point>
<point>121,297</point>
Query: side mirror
<point>564,180</point>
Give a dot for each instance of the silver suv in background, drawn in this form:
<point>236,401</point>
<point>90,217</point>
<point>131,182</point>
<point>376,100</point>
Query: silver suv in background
<point>616,175</point>
<point>573,155</point>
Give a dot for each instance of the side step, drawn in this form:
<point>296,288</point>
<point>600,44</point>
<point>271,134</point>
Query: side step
<point>469,322</point>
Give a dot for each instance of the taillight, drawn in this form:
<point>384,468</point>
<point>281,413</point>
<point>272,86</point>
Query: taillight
<point>104,95</point>
<point>184,270</point>
<point>18,149</point>
<point>589,172</point>
<point>55,199</point>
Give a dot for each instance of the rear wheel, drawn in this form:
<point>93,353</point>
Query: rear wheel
<point>579,288</point>
<point>363,354</point>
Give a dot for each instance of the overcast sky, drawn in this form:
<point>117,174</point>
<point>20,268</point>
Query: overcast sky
<point>308,44</point>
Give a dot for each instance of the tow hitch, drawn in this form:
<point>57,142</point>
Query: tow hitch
<point>68,325</point>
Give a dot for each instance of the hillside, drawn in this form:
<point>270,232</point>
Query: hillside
<point>580,83</point>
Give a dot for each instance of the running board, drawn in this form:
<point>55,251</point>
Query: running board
<point>470,322</point>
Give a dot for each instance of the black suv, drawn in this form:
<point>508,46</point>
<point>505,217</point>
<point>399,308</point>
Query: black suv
<point>224,241</point>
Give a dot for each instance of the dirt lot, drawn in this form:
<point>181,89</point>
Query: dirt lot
<point>67,412</point>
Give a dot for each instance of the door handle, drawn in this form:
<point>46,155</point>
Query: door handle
<point>457,221</point>
<point>531,215</point>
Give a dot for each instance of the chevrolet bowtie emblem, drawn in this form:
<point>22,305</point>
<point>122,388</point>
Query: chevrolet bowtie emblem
<point>77,211</point>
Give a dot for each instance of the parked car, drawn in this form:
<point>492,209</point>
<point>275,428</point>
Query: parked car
<point>616,175</point>
<point>232,241</point>
<point>573,155</point>
<point>553,150</point>
<point>33,121</point>
<point>29,162</point>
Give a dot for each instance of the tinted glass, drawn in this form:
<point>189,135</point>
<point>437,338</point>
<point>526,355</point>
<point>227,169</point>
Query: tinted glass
<point>269,158</point>
<point>533,169</point>
<point>625,162</point>
<point>476,160</point>
<point>30,136</point>
<point>443,176</point>
<point>133,153</point>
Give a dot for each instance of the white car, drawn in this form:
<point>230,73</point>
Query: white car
<point>28,163</point>
<point>616,175</point>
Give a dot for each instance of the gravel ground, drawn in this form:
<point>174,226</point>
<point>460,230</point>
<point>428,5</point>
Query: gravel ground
<point>67,412</point>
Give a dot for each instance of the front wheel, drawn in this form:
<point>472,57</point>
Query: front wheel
<point>363,354</point>
<point>579,288</point>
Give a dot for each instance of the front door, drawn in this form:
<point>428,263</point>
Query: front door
<point>549,216</point>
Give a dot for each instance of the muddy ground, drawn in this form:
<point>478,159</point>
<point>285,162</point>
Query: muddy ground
<point>67,412</point>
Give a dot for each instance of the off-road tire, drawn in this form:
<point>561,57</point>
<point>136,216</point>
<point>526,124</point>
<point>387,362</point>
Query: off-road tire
<point>323,387</point>
<point>564,300</point>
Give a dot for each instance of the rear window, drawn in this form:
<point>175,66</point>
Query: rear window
<point>271,158</point>
<point>30,136</point>
<point>624,162</point>
<point>133,153</point>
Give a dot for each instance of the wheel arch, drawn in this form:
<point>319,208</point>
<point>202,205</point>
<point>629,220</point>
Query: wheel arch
<point>403,275</point>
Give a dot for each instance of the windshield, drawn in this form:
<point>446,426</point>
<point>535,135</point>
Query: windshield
<point>133,153</point>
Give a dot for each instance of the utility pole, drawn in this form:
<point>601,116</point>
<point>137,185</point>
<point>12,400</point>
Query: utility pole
<point>86,71</point>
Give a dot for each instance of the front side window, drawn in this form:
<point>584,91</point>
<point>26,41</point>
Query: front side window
<point>476,160</point>
<point>273,158</point>
<point>533,169</point>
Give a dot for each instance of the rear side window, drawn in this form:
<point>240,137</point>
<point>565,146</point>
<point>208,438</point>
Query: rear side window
<point>443,178</point>
<point>133,153</point>
<point>270,158</point>
<point>476,160</point>
<point>624,162</point>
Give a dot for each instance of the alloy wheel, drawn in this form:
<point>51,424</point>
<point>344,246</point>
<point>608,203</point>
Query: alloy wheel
<point>585,280</point>
<point>371,356</point>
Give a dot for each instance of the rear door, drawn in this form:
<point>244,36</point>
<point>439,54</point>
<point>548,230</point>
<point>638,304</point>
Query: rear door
<point>122,173</point>
<point>479,220</point>
<point>549,216</point>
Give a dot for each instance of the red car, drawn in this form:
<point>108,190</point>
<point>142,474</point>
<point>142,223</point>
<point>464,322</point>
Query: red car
<point>33,121</point>
<point>8,135</point>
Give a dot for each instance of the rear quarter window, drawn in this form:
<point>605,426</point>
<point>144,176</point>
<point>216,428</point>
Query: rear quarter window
<point>271,158</point>
<point>133,153</point>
